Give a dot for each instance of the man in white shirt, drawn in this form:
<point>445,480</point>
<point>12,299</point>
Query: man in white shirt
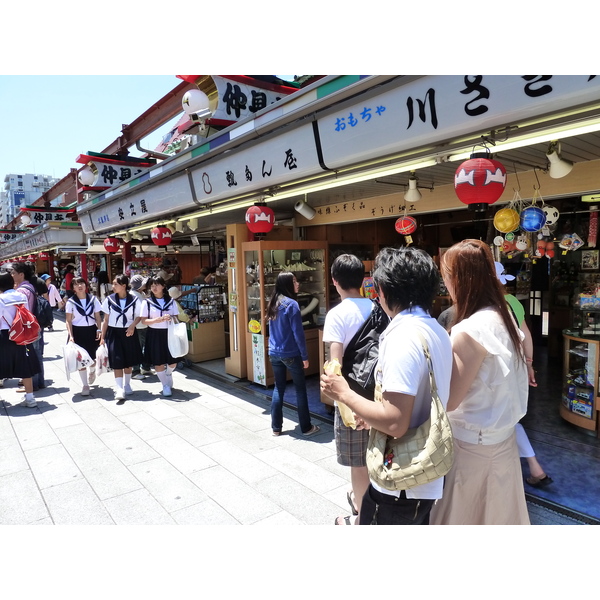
<point>341,324</point>
<point>407,282</point>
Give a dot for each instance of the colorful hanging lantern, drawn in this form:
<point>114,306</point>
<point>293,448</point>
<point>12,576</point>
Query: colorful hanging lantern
<point>506,220</point>
<point>31,258</point>
<point>406,225</point>
<point>43,256</point>
<point>111,244</point>
<point>161,236</point>
<point>260,219</point>
<point>533,219</point>
<point>479,181</point>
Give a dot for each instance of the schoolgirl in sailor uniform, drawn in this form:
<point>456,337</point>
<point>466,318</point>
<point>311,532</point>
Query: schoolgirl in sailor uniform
<point>121,315</point>
<point>82,318</point>
<point>158,311</point>
<point>15,361</point>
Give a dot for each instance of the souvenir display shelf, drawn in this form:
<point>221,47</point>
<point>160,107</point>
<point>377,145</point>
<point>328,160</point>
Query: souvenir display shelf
<point>580,398</point>
<point>206,331</point>
<point>263,261</point>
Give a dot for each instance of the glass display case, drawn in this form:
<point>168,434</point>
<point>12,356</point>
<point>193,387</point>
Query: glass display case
<point>263,261</point>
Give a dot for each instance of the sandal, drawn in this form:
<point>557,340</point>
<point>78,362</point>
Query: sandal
<point>346,521</point>
<point>349,496</point>
<point>314,429</point>
<point>539,481</point>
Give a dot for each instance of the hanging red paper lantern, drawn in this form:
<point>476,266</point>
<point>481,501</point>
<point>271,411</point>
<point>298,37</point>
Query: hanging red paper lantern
<point>31,258</point>
<point>161,236</point>
<point>43,256</point>
<point>260,219</point>
<point>479,181</point>
<point>406,225</point>
<point>111,245</point>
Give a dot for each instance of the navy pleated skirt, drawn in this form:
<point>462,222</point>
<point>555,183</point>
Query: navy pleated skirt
<point>123,351</point>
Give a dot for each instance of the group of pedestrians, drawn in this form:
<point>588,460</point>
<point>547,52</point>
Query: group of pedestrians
<point>132,327</point>
<point>482,371</point>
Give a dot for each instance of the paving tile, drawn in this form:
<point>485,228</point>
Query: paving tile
<point>34,433</point>
<point>144,425</point>
<point>200,413</point>
<point>192,431</point>
<point>304,504</point>
<point>243,465</point>
<point>52,465</point>
<point>106,474</point>
<point>207,512</point>
<point>128,447</point>
<point>80,440</point>
<point>137,508</point>
<point>160,410</point>
<point>75,503</point>
<point>171,489</point>
<point>281,519</point>
<point>62,416</point>
<point>12,458</point>
<point>181,454</point>
<point>21,502</point>
<point>301,470</point>
<point>246,419</point>
<point>236,497</point>
<point>101,420</point>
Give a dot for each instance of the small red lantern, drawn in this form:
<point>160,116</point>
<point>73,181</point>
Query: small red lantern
<point>111,245</point>
<point>43,256</point>
<point>31,258</point>
<point>479,181</point>
<point>406,225</point>
<point>260,219</point>
<point>161,236</point>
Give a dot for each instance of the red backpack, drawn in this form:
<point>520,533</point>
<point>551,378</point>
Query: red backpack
<point>24,329</point>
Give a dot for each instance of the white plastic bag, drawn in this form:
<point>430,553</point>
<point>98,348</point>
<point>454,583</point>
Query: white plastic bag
<point>177,339</point>
<point>102,360</point>
<point>76,358</point>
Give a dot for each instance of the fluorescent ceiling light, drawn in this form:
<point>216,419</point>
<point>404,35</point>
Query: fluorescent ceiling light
<point>549,135</point>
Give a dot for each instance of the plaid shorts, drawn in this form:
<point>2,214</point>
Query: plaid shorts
<point>351,444</point>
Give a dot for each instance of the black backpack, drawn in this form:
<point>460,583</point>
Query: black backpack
<point>362,353</point>
<point>43,312</point>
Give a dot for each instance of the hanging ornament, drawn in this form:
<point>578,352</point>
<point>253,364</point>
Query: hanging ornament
<point>260,219</point>
<point>161,235</point>
<point>532,219</point>
<point>111,244</point>
<point>43,256</point>
<point>405,226</point>
<point>552,214</point>
<point>593,231</point>
<point>479,181</point>
<point>506,220</point>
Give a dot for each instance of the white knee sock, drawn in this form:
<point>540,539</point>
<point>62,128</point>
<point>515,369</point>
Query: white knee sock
<point>119,383</point>
<point>170,369</point>
<point>162,375</point>
<point>127,378</point>
<point>84,377</point>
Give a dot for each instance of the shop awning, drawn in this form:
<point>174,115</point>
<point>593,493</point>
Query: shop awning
<point>45,237</point>
<point>326,136</point>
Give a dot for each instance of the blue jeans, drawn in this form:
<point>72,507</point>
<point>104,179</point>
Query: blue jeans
<point>38,346</point>
<point>280,366</point>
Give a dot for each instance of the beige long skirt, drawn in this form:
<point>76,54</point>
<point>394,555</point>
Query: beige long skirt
<point>484,487</point>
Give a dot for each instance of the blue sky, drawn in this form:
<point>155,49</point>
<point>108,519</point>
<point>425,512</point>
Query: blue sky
<point>46,121</point>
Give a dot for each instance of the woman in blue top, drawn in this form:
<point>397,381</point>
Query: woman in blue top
<point>287,350</point>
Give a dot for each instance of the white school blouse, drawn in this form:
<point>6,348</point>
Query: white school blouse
<point>151,311</point>
<point>118,319</point>
<point>80,320</point>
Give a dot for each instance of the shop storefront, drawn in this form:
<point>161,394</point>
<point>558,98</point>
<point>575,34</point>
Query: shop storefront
<point>334,161</point>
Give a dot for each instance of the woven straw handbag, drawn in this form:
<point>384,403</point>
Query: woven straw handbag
<point>421,455</point>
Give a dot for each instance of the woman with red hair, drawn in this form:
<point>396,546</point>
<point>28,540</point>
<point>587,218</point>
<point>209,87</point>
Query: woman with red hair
<point>488,396</point>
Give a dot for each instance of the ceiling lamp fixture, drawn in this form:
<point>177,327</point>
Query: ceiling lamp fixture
<point>559,167</point>
<point>193,223</point>
<point>305,209</point>
<point>412,194</point>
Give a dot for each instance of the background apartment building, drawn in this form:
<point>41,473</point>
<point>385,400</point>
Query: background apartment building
<point>21,190</point>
